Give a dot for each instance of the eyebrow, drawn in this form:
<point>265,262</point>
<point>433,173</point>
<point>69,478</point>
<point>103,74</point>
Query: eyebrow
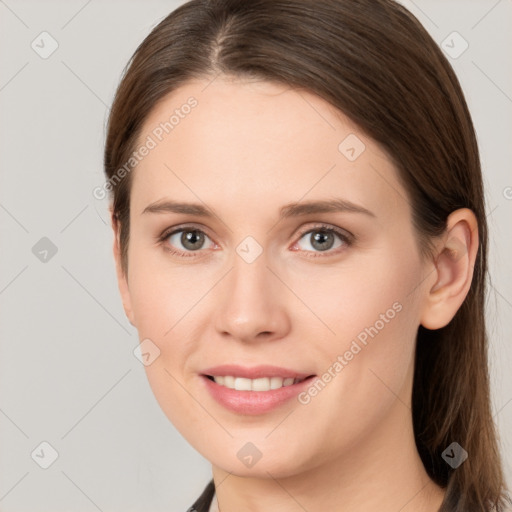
<point>288,210</point>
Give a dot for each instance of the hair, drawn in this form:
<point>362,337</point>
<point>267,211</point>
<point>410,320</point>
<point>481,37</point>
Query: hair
<point>373,61</point>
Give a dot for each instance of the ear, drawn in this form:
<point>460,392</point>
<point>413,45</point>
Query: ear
<point>122,278</point>
<point>453,273</point>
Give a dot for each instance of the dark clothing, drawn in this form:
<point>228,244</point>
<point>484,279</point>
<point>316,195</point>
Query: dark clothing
<point>202,504</point>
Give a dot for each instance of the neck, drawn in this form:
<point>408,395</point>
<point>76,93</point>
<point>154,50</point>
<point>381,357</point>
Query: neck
<point>382,473</point>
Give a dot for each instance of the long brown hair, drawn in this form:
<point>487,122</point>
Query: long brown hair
<point>376,63</point>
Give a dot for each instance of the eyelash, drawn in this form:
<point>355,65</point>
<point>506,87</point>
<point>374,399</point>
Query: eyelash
<point>346,238</point>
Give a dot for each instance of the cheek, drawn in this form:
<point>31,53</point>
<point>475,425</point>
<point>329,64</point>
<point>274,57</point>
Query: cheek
<point>354,295</point>
<point>373,318</point>
<point>161,307</point>
<point>164,312</point>
<point>166,301</point>
<point>162,293</point>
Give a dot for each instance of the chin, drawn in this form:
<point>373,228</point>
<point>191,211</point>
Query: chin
<point>269,462</point>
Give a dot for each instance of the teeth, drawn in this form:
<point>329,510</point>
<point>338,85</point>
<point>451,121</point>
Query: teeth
<point>276,382</point>
<point>261,384</point>
<point>242,384</point>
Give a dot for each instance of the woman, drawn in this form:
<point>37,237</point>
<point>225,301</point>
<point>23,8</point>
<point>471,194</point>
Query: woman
<point>301,243</point>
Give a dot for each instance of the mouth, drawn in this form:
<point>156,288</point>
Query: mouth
<point>259,384</point>
<point>253,391</point>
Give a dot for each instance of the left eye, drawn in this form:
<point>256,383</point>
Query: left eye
<point>323,239</point>
<point>190,239</point>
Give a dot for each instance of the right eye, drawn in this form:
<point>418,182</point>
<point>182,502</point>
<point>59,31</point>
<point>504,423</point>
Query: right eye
<point>190,238</point>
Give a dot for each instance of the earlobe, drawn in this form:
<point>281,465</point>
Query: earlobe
<point>454,265</point>
<point>122,278</point>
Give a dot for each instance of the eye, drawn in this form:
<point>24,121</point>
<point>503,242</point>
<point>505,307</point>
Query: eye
<point>324,238</point>
<point>185,240</point>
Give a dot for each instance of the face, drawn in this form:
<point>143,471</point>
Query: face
<point>299,259</point>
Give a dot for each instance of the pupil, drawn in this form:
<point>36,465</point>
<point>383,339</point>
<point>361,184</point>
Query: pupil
<point>189,239</point>
<point>320,239</point>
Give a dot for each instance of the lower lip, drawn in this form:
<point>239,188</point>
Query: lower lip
<point>253,402</point>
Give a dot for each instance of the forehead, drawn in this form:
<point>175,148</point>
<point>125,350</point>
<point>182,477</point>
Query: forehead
<point>247,144</point>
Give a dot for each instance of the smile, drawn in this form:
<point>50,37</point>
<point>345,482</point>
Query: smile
<point>260,384</point>
<point>253,391</point>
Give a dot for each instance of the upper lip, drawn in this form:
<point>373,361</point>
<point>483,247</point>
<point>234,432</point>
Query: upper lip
<point>253,372</point>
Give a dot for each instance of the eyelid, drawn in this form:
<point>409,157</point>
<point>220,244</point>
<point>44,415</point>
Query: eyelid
<point>327,227</point>
<point>166,233</point>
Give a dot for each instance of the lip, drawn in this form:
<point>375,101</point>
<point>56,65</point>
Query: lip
<point>254,402</point>
<point>253,373</point>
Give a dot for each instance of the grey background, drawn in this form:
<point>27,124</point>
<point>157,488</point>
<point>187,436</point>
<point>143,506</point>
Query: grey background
<point>68,375</point>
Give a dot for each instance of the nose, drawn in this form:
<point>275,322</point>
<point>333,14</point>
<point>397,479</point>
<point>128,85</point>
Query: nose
<point>252,302</point>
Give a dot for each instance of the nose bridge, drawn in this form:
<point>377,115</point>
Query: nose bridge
<point>249,281</point>
<point>251,303</point>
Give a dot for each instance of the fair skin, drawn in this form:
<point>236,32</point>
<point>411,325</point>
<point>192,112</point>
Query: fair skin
<point>246,150</point>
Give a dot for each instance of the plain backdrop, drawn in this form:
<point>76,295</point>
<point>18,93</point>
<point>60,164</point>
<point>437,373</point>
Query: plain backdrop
<point>68,375</point>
